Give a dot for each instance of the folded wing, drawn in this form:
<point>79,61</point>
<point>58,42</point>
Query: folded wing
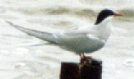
<point>41,35</point>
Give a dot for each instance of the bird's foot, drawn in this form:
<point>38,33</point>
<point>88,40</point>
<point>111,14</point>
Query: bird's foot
<point>85,61</point>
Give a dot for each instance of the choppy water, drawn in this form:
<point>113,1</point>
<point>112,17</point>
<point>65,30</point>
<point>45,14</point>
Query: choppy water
<point>26,57</point>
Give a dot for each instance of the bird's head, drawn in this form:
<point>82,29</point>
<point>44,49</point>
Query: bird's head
<point>105,14</point>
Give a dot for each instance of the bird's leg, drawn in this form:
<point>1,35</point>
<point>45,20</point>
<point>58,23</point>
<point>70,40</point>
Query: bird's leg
<point>85,59</point>
<point>82,56</point>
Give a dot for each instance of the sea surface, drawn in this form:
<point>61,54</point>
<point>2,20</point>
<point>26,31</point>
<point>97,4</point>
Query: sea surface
<point>26,57</point>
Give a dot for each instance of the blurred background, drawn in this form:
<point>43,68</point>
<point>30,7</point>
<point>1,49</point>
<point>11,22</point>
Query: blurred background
<point>26,57</point>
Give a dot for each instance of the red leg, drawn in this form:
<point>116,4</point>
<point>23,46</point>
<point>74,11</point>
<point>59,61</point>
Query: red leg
<point>82,56</point>
<point>85,59</point>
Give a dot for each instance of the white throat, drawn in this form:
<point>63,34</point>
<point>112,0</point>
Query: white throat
<point>103,29</point>
<point>106,21</point>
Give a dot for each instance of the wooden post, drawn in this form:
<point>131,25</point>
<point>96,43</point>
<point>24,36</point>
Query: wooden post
<point>69,71</point>
<point>91,69</point>
<point>88,68</point>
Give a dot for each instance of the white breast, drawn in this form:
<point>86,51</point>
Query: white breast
<point>103,30</point>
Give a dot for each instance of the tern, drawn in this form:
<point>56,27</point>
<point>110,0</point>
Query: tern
<point>80,41</point>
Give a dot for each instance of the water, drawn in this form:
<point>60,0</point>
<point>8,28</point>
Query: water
<point>26,57</point>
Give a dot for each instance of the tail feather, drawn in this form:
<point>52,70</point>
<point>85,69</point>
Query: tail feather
<point>41,35</point>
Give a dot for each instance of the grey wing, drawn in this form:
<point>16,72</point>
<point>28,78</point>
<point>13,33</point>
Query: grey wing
<point>74,37</point>
<point>79,42</point>
<point>41,35</point>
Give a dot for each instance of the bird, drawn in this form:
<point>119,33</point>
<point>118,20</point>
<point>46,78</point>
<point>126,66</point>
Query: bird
<point>80,40</point>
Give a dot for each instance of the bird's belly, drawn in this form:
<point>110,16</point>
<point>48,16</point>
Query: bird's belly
<point>83,45</point>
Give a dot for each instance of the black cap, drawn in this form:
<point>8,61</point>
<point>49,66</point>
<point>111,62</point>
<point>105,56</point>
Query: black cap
<point>103,15</point>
